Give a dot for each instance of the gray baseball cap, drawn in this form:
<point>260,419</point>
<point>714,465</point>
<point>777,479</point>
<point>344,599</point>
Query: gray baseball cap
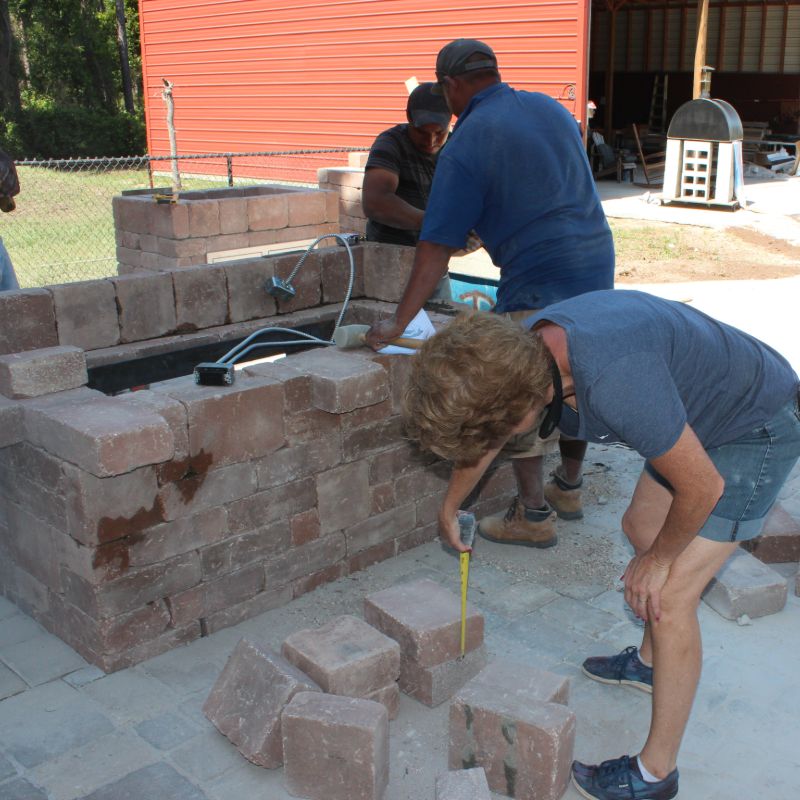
<point>426,108</point>
<point>452,58</point>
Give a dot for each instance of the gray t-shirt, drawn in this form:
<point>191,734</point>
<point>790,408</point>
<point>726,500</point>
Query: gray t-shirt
<point>643,367</point>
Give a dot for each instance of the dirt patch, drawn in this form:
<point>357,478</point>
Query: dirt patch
<point>660,252</point>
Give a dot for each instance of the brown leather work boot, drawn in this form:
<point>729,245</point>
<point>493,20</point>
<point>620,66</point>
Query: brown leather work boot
<point>563,497</point>
<point>520,525</point>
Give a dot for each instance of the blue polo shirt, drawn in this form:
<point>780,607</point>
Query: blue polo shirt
<point>515,171</point>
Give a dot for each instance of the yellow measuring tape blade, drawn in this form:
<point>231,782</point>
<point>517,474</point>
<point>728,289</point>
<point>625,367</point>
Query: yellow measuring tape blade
<point>464,569</point>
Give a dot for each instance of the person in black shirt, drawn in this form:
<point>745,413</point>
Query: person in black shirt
<point>399,170</point>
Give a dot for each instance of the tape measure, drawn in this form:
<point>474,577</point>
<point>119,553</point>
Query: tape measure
<point>464,569</point>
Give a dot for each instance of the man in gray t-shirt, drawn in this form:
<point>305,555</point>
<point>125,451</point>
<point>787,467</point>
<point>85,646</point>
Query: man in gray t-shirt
<point>714,412</point>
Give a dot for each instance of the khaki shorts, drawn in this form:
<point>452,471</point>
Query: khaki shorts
<point>528,444</point>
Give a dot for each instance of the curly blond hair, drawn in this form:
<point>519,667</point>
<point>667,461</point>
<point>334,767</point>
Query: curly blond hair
<point>472,383</point>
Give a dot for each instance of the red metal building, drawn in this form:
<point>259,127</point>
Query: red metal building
<point>266,75</point>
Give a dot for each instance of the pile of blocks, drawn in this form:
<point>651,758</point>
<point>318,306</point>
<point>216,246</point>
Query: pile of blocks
<point>321,708</point>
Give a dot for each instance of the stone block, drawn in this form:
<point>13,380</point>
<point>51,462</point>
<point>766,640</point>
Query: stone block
<point>149,243</point>
<point>463,784</point>
<point>209,597</point>
<point>33,545</point>
<point>236,552</point>
<point>194,249</point>
<point>87,314</point>
<point>219,415</point>
<point>251,607</point>
<point>307,282</point>
<point>204,489</point>
<point>146,306</point>
<point>168,220</point>
<point>521,682</point>
<point>745,585</point>
<point>36,372</point>
<point>331,205</point>
<point>307,207</point>
<point>247,294</point>
<point>335,271</point>
<point>131,214</point>
<point>341,382</point>
<point>387,268</point>
<point>201,297</point>
<point>259,509</point>
<point>259,238</point>
<point>346,656</point>
<point>134,589</point>
<point>154,262</point>
<point>27,320</point>
<point>168,539</point>
<point>101,510</point>
<point>343,496</point>
<point>175,415</point>
<point>10,422</point>
<point>267,212</point>
<point>97,434</point>
<point>425,619</point>
<point>300,232</point>
<point>248,698</point>
<point>362,442</point>
<point>335,748</point>
<point>351,223</point>
<point>523,743</point>
<point>308,559</point>
<point>291,463</point>
<point>233,215</point>
<point>380,528</point>
<point>358,159</point>
<point>203,218</point>
<point>433,685</point>
<point>779,541</point>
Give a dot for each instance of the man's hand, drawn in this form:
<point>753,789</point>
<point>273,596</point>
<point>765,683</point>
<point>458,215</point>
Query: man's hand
<point>449,531</point>
<point>644,579</point>
<point>381,333</point>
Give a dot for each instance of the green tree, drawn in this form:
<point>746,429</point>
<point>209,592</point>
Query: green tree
<point>75,63</point>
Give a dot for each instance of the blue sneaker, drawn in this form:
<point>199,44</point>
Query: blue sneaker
<point>624,668</point>
<point>620,779</point>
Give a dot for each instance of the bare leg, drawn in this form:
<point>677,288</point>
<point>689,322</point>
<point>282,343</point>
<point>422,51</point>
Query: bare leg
<point>529,471</point>
<point>641,523</point>
<point>674,642</point>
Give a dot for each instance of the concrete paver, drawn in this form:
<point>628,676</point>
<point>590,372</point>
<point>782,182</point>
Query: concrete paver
<point>41,659</point>
<point>10,683</point>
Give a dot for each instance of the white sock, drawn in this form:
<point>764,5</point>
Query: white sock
<point>641,660</point>
<point>649,778</point>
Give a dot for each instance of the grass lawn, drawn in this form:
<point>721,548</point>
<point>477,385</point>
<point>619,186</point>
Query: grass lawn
<point>63,227</point>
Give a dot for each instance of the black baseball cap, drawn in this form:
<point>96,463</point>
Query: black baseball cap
<point>426,108</point>
<point>453,58</point>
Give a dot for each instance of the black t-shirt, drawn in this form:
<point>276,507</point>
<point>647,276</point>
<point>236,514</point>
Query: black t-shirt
<point>394,151</point>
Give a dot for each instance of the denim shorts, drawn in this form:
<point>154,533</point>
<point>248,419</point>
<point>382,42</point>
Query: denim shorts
<point>754,467</point>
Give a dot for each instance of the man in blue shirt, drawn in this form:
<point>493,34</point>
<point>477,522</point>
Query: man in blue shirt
<point>515,171</point>
<point>712,410</point>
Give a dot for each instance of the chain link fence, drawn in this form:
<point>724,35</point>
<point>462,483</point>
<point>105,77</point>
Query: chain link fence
<point>63,228</point>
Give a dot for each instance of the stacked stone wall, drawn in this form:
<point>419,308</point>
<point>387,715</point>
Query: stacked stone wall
<point>154,235</point>
<point>135,523</point>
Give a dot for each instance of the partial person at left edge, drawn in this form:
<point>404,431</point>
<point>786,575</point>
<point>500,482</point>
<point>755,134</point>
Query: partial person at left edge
<point>9,188</point>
